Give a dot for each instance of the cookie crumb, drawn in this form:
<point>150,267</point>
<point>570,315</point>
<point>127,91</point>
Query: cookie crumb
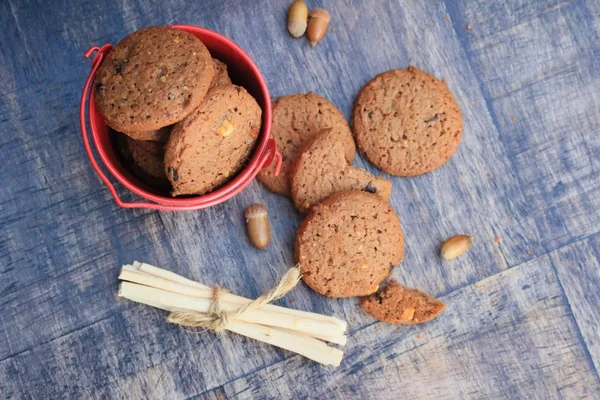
<point>497,239</point>
<point>474,104</point>
<point>536,156</point>
<point>490,176</point>
<point>420,336</point>
<point>529,251</point>
<point>292,301</point>
<point>447,17</point>
<point>468,27</point>
<point>514,118</point>
<point>332,30</point>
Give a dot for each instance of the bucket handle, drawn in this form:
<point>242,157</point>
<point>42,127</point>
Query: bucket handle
<point>269,156</point>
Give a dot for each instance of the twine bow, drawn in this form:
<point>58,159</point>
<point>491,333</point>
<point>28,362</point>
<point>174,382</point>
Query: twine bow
<point>217,320</point>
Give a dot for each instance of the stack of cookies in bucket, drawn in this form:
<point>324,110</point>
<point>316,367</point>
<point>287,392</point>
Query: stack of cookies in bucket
<point>406,123</point>
<point>183,127</point>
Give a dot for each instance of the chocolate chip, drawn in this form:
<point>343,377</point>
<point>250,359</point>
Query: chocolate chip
<point>434,118</point>
<point>370,188</point>
<point>171,171</point>
<point>120,65</point>
<point>100,87</point>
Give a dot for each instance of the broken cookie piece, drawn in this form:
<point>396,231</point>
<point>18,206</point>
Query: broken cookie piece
<point>396,304</point>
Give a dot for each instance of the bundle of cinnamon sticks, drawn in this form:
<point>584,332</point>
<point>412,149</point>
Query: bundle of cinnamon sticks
<point>301,332</point>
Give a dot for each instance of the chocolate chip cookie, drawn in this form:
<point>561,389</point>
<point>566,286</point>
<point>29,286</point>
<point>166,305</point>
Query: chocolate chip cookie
<point>406,122</point>
<point>214,142</point>
<point>349,244</point>
<point>296,119</point>
<point>321,169</point>
<point>153,78</point>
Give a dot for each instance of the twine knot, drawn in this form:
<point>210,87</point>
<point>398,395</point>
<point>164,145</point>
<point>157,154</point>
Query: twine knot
<point>217,319</point>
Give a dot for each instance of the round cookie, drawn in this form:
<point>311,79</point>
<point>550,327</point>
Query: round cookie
<point>214,142</point>
<point>149,158</point>
<point>297,119</point>
<point>157,135</point>
<point>396,304</point>
<point>406,122</point>
<point>144,159</point>
<point>221,77</point>
<point>349,244</point>
<point>320,170</point>
<point>153,78</point>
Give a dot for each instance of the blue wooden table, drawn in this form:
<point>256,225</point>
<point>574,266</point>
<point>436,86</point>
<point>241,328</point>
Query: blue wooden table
<point>523,304</point>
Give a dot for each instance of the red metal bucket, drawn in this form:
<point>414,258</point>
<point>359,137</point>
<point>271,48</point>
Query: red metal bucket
<point>244,72</point>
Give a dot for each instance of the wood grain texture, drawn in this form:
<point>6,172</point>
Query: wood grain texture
<point>526,76</point>
<point>520,313</point>
<point>578,268</point>
<point>540,76</point>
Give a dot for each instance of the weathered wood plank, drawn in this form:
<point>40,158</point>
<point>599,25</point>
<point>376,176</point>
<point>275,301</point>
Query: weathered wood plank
<point>540,76</point>
<point>488,18</point>
<point>515,329</point>
<point>132,354</point>
<point>63,334</point>
<point>509,336</point>
<point>58,230</point>
<point>578,268</point>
